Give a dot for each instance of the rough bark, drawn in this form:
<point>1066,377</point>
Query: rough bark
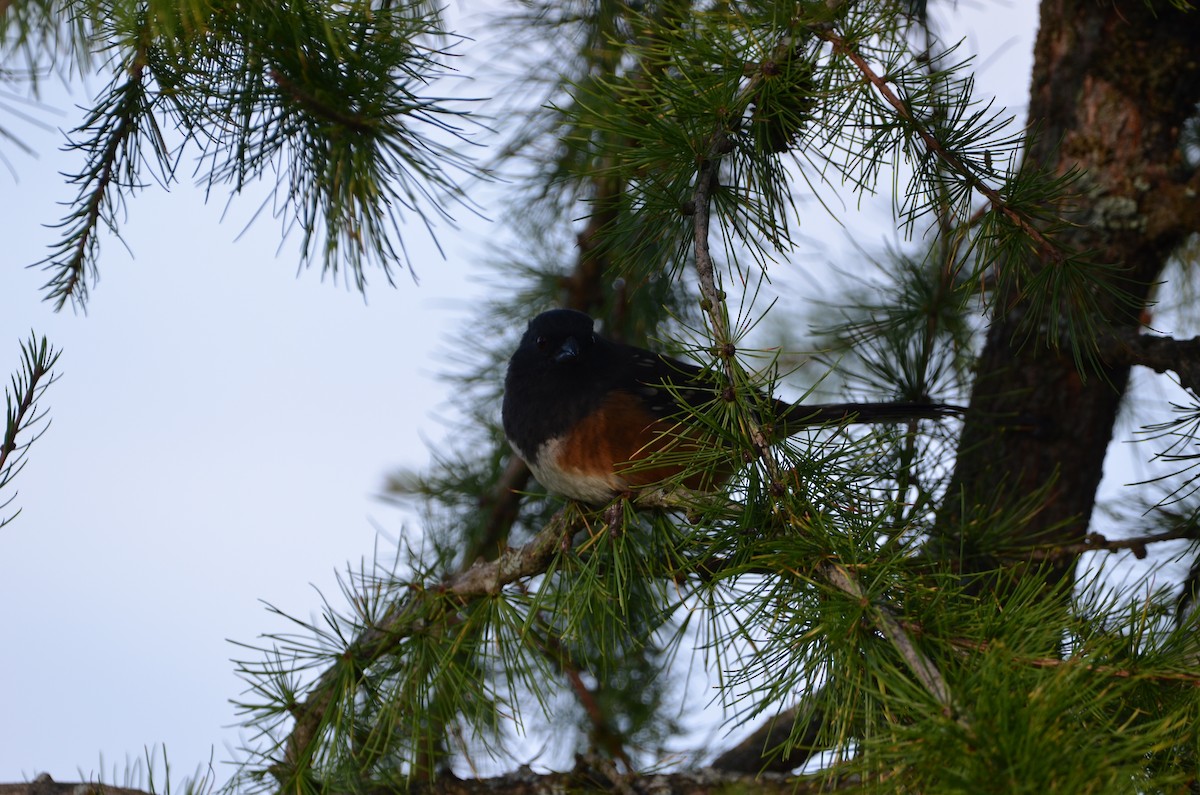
<point>1112,86</point>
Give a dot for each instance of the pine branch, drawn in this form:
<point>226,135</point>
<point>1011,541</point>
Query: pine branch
<point>922,667</point>
<point>759,751</point>
<point>700,206</point>
<point>707,180</point>
<point>28,385</point>
<point>603,733</point>
<point>952,160</point>
<point>411,615</point>
<point>113,127</point>
<point>356,122</point>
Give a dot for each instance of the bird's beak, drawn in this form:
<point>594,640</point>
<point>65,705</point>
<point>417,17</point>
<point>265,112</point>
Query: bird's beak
<point>568,351</point>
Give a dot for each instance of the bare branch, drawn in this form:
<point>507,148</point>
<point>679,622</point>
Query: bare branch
<point>1159,353</point>
<point>1094,542</point>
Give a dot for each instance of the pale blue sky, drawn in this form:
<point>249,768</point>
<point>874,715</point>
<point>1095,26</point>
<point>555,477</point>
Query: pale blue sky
<point>218,433</point>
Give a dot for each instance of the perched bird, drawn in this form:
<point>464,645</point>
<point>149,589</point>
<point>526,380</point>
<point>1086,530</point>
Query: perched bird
<point>585,413</point>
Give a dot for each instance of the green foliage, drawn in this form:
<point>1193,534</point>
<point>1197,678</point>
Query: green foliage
<point>329,103</point>
<point>745,582</point>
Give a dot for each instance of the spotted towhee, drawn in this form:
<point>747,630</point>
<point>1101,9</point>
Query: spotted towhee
<point>587,413</point>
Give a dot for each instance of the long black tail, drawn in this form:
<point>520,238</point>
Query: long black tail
<point>799,416</point>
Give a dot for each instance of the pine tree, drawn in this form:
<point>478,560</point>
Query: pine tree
<point>897,608</point>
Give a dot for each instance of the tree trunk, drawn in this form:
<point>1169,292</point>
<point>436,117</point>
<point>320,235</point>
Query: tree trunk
<point>1113,84</point>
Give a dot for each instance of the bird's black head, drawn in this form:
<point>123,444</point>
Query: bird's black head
<point>556,339</point>
<point>551,381</point>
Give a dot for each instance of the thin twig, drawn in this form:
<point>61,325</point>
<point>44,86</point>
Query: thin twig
<point>1094,542</point>
<point>707,178</point>
<point>501,504</point>
<point>926,672</point>
<point>357,123</point>
<point>1191,679</point>
<point>560,656</point>
<point>935,146</point>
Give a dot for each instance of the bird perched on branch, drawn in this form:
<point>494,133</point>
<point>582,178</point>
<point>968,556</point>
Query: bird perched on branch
<point>595,418</point>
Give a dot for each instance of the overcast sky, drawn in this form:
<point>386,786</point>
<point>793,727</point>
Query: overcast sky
<point>220,430</point>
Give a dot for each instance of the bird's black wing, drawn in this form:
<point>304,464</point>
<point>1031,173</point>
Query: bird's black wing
<point>666,386</point>
<point>670,388</point>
